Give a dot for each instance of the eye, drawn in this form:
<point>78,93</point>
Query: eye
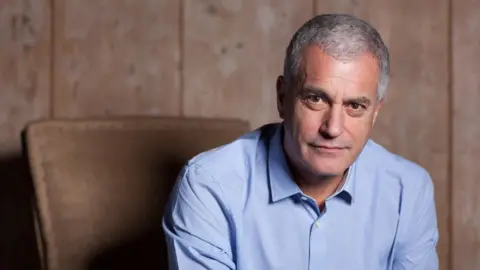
<point>314,102</point>
<point>356,109</point>
<point>356,106</point>
<point>313,98</point>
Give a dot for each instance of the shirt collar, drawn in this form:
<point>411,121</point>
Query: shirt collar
<point>348,188</point>
<point>280,178</point>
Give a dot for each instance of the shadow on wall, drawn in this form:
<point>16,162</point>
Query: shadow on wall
<point>18,248</point>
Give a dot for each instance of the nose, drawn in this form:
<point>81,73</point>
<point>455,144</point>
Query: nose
<point>333,123</point>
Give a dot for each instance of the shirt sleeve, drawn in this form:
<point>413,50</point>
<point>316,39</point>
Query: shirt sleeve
<point>196,223</point>
<point>416,249</point>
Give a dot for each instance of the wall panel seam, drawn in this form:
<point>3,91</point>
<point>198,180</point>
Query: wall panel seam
<point>450,112</point>
<point>52,61</point>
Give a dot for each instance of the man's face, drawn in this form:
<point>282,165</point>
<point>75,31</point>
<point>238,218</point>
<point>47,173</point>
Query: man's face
<point>330,112</point>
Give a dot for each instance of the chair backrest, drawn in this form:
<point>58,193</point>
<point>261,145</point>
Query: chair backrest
<point>101,185</point>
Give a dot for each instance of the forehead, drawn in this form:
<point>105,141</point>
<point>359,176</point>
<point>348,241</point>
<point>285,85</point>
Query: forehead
<point>358,75</point>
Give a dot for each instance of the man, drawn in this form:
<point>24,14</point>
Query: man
<point>313,192</point>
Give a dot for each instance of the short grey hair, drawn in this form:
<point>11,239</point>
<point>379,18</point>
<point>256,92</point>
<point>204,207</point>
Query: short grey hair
<point>342,37</point>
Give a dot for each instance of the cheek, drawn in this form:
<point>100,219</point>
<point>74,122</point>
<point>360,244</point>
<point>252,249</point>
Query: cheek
<point>307,122</point>
<point>359,128</point>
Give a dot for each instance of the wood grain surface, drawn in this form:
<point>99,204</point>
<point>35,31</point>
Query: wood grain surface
<point>233,54</point>
<point>466,135</point>
<point>24,67</point>
<point>116,57</point>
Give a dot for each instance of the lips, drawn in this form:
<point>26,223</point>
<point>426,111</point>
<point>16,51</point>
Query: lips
<point>327,148</point>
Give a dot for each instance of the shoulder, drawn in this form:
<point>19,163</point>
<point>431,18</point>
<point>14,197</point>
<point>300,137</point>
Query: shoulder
<point>405,187</point>
<point>227,167</point>
<point>410,176</point>
<point>215,179</point>
<point>410,192</point>
<point>236,157</point>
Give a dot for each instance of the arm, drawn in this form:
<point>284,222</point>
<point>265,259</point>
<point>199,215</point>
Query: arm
<point>195,223</point>
<point>416,250</point>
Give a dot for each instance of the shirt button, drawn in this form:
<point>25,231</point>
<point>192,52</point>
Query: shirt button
<point>317,223</point>
<point>304,198</point>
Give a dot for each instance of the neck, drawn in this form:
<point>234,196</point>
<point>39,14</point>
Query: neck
<point>318,187</point>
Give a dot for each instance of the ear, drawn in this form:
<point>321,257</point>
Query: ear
<point>377,109</point>
<point>281,96</point>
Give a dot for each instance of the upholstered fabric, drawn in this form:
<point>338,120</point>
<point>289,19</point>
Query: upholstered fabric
<point>101,185</point>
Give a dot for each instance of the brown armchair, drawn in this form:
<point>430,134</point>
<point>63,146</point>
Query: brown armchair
<point>101,185</point>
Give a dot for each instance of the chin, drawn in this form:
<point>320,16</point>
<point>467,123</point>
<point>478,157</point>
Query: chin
<point>327,167</point>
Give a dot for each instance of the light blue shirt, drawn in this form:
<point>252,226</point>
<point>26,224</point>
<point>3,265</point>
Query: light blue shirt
<point>237,207</point>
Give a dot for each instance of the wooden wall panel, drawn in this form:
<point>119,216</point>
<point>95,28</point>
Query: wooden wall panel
<point>466,135</point>
<point>414,120</point>
<point>24,67</point>
<point>116,57</point>
<point>233,54</point>
<point>24,96</point>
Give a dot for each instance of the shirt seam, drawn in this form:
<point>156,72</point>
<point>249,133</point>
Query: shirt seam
<point>184,175</point>
<point>227,203</point>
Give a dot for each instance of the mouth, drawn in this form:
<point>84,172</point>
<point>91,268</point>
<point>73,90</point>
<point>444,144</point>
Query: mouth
<point>327,149</point>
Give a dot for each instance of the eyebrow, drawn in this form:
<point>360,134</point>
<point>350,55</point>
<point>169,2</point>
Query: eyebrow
<point>321,92</point>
